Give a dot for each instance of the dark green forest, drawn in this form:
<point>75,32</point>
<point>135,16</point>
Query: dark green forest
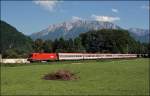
<point>112,41</point>
<point>15,44</point>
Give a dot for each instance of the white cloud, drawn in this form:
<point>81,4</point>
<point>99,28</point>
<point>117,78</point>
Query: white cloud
<point>114,10</point>
<point>48,5</point>
<point>145,7</point>
<point>75,18</point>
<point>105,18</point>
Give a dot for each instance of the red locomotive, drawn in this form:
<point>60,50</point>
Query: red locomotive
<point>42,57</point>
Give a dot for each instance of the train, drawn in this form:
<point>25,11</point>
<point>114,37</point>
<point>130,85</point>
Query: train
<point>75,56</point>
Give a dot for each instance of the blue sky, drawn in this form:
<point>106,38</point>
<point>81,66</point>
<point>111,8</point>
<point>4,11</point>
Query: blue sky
<point>34,16</point>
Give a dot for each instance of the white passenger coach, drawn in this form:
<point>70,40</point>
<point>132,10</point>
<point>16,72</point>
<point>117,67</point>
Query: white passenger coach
<point>82,56</point>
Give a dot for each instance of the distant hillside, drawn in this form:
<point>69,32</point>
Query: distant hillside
<point>13,41</point>
<point>73,29</point>
<point>141,35</point>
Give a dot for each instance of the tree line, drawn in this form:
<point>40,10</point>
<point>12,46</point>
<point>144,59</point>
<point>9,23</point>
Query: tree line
<point>100,41</point>
<point>58,45</point>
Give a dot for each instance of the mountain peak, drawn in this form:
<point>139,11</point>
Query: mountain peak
<point>72,29</point>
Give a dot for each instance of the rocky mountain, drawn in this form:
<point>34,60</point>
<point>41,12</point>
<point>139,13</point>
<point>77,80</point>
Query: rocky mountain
<point>73,28</point>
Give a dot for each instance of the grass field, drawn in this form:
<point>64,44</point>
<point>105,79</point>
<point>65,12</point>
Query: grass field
<point>105,77</point>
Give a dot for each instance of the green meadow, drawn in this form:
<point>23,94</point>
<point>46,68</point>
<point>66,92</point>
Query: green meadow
<point>97,77</point>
